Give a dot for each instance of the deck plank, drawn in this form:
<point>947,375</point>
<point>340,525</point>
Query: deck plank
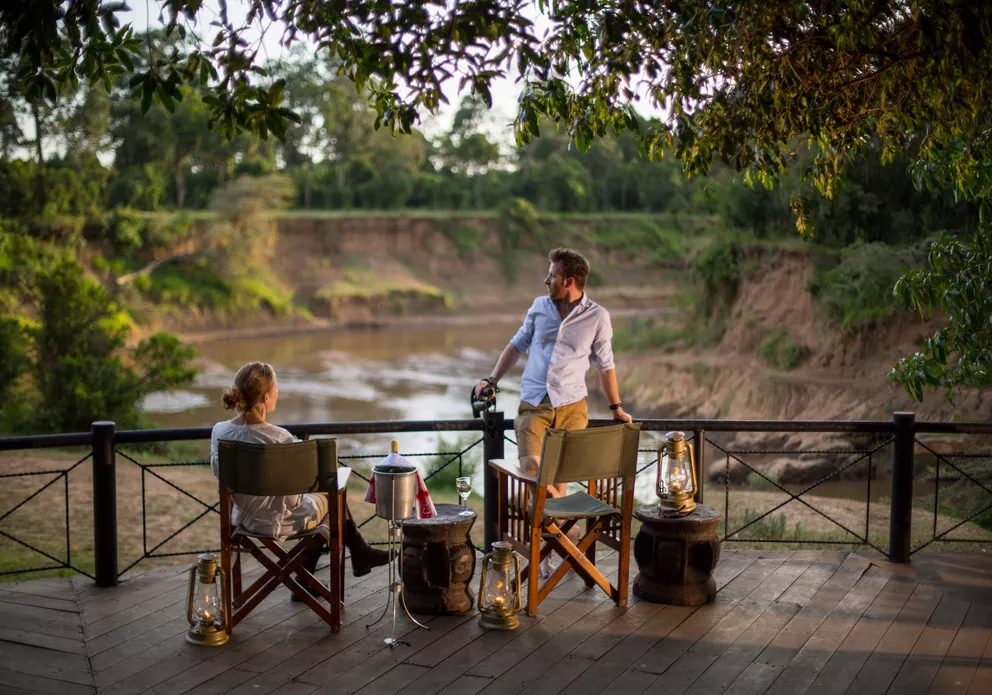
<point>891,651</point>
<point>843,666</point>
<point>746,648</point>
<point>787,622</point>
<point>790,640</point>
<point>40,684</point>
<point>616,671</point>
<point>964,655</point>
<point>981,682</point>
<point>923,662</point>
<point>677,676</point>
<point>800,673</point>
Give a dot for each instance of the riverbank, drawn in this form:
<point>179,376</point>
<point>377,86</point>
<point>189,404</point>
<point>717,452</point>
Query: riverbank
<point>315,325</point>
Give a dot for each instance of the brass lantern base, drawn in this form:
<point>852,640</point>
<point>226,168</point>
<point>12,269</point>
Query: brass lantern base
<point>495,621</point>
<point>207,636</point>
<point>681,504</point>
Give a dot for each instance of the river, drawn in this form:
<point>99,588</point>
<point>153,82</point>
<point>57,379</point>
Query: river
<point>422,372</point>
<point>409,372</point>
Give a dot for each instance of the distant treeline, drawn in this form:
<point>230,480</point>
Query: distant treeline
<point>337,160</point>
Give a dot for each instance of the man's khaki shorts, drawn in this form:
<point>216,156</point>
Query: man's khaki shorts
<point>532,421</point>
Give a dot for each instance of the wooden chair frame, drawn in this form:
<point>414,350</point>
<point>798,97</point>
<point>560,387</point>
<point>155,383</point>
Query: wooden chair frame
<point>522,522</point>
<point>285,567</point>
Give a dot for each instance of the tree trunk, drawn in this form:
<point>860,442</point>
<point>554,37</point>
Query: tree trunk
<point>40,179</point>
<point>478,191</point>
<point>180,187</point>
<point>306,187</point>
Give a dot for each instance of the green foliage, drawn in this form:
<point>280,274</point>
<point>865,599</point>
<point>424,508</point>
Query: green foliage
<point>14,358</point>
<point>80,370</point>
<point>957,284</point>
<point>440,470</point>
<point>771,527</point>
<point>754,85</point>
<point>596,278</point>
<point>642,240</point>
<point>198,285</point>
<point>858,288</point>
<point>466,238</point>
<point>782,350</point>
<point>519,221</point>
<point>644,334</point>
<point>959,497</point>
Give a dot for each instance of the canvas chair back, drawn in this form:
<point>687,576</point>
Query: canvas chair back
<point>596,453</point>
<point>292,468</point>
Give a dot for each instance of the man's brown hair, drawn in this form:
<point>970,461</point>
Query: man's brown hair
<point>573,265</point>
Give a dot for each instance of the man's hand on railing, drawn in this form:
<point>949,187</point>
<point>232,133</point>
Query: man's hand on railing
<point>484,384</point>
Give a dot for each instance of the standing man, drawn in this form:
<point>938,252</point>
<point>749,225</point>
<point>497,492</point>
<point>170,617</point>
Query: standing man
<point>562,334</point>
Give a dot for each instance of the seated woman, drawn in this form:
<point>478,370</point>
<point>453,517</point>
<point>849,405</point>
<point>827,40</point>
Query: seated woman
<point>254,395</point>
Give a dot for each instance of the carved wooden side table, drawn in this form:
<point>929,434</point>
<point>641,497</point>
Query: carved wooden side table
<point>676,555</point>
<point>438,562</point>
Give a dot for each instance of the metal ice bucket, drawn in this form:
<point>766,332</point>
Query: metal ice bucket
<point>395,491</point>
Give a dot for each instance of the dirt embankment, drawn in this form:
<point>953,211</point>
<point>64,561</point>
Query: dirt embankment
<point>843,375</point>
<point>390,269</point>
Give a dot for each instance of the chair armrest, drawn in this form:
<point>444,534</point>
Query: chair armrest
<point>343,474</point>
<point>514,470</point>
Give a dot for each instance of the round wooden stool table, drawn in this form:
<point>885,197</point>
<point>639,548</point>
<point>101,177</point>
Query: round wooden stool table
<point>676,555</point>
<point>438,562</point>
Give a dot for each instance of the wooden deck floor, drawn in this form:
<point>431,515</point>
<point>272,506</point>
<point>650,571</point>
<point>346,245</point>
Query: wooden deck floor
<point>783,622</point>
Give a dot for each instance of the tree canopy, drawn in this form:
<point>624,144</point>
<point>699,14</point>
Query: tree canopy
<point>741,81</point>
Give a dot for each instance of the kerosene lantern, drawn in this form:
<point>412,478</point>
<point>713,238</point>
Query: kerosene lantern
<point>499,593</point>
<point>676,474</point>
<point>205,603</point>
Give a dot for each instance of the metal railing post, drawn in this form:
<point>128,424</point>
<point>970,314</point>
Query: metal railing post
<point>699,453</point>
<point>104,503</point>
<point>492,448</point>
<point>901,510</point>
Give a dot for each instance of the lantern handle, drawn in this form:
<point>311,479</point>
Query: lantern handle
<point>189,595</point>
<point>223,598</point>
<point>486,557</point>
<point>516,566</point>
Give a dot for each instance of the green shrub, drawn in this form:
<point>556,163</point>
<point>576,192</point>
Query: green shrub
<point>81,368</point>
<point>858,288</point>
<point>467,238</point>
<point>440,470</point>
<point>596,278</point>
<point>718,267</point>
<point>780,349</point>
<point>644,335</point>
<point>642,240</point>
<point>518,222</point>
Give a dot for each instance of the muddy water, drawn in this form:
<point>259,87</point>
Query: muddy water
<point>409,373</point>
<point>398,373</point>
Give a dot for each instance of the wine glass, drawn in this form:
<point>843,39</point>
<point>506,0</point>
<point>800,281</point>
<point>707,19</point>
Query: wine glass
<point>464,487</point>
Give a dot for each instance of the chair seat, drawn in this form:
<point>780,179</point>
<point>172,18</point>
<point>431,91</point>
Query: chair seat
<point>578,505</point>
<point>322,528</point>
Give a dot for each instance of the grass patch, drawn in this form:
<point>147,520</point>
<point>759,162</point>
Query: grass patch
<point>197,286</point>
<point>781,350</point>
<point>367,286</point>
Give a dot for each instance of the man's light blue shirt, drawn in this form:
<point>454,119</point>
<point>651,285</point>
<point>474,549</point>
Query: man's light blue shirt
<point>559,352</point>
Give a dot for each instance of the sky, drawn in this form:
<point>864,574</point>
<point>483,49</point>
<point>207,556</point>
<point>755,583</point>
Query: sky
<point>147,14</point>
